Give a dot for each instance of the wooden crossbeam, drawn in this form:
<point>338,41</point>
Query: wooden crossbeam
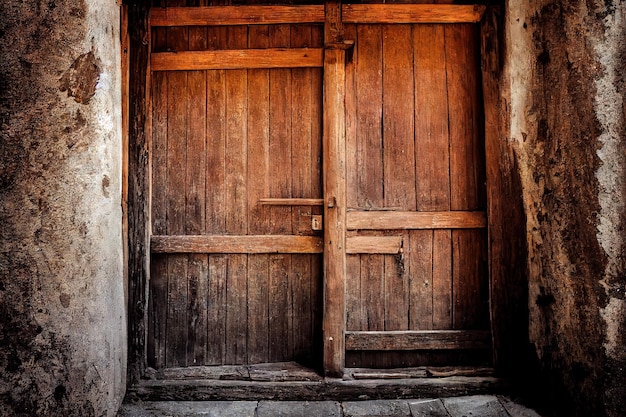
<point>237,59</point>
<point>351,13</point>
<point>384,220</point>
<point>236,244</point>
<point>418,340</point>
<point>235,15</point>
<point>411,13</point>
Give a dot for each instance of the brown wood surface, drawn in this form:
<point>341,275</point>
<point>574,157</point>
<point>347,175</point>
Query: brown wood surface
<point>374,244</point>
<point>403,176</point>
<point>411,13</point>
<point>251,273</point>
<point>177,297</point>
<point>258,216</point>
<point>292,201</point>
<point>236,244</point>
<point>195,204</point>
<point>334,210</point>
<point>237,59</point>
<point>235,15</point>
<point>418,340</point>
<point>382,220</point>
<point>352,13</point>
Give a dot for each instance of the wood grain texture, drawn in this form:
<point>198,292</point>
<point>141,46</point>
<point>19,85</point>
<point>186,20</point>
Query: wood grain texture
<point>334,212</point>
<point>418,340</point>
<point>258,215</point>
<point>374,244</point>
<point>235,15</point>
<point>177,312</point>
<point>237,59</point>
<point>383,220</point>
<point>411,13</point>
<point>236,200</point>
<point>354,13</point>
<point>236,244</point>
<point>432,154</point>
<point>398,120</point>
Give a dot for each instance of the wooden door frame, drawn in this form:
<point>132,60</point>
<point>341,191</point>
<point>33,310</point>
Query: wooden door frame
<point>507,263</point>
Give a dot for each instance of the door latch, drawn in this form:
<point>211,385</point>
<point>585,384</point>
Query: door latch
<point>316,222</point>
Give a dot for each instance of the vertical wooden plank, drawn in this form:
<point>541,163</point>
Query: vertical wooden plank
<point>432,157</point>
<point>354,304</point>
<point>281,315</point>
<point>397,289</point>
<point>317,261</point>
<point>258,187</point>
<point>177,305</point>
<point>216,311</point>
<point>469,308</point>
<point>373,290</point>
<point>369,105</point>
<point>465,170</point>
<point>421,284</point>
<point>139,116</point>
<point>398,165</point>
<point>462,73</point>
<point>334,320</point>
<point>398,117</point>
<point>442,279</point>
<point>351,119</point>
<point>195,203</point>
<point>236,200</point>
<point>216,144</point>
<point>157,332</point>
<point>216,206</point>
<point>433,169</point>
<point>301,167</point>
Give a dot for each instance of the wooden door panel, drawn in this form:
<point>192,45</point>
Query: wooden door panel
<point>222,141</point>
<point>413,135</point>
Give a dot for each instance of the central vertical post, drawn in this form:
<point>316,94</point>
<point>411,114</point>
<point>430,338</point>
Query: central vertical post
<point>334,164</point>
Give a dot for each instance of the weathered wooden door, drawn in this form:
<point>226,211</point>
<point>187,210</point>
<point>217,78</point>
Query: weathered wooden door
<point>236,195</point>
<point>417,283</point>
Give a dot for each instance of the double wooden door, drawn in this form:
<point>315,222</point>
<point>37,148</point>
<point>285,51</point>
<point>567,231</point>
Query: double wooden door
<point>237,195</point>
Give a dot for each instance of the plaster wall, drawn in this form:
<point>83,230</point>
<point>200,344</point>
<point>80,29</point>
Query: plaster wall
<point>62,314</point>
<point>566,77</point>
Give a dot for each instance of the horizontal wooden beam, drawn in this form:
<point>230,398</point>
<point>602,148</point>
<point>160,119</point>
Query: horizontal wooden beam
<point>237,59</point>
<point>418,340</point>
<point>236,244</point>
<point>390,245</point>
<point>352,13</point>
<point>412,13</point>
<point>235,15</point>
<point>388,220</point>
<point>291,201</point>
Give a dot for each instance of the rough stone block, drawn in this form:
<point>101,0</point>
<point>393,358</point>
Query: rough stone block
<point>190,409</point>
<point>299,409</point>
<point>475,406</point>
<point>428,408</point>
<point>377,408</point>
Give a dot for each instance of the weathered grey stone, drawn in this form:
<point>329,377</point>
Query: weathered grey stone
<point>475,405</point>
<point>190,409</point>
<point>376,408</point>
<point>299,409</point>
<point>515,409</point>
<point>62,309</point>
<point>428,408</point>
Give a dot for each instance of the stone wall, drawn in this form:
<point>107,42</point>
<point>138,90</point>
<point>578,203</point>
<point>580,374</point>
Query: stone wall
<point>566,75</point>
<point>62,314</point>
